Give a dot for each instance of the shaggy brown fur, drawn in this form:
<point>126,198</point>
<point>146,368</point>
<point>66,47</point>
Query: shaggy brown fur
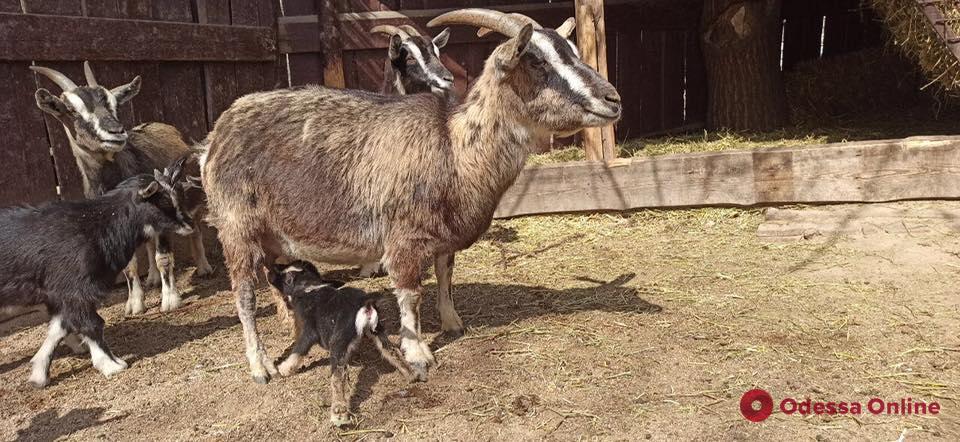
<point>352,177</point>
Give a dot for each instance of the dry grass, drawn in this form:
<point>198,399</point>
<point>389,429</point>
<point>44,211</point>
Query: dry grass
<point>915,35</point>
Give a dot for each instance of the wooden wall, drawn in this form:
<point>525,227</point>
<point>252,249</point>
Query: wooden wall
<point>194,56</point>
<point>197,56</point>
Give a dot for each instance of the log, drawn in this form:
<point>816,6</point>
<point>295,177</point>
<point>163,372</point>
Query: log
<point>25,37</point>
<point>869,171</point>
<point>598,142</point>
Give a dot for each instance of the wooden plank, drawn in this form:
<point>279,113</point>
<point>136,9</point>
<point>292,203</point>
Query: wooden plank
<point>816,224</point>
<point>58,7</point>
<point>220,78</point>
<point>300,33</point>
<point>41,37</point>
<point>869,171</point>
<point>68,175</point>
<point>28,176</point>
<point>651,113</point>
<point>12,6</point>
<point>671,75</point>
<point>305,67</point>
<point>695,81</point>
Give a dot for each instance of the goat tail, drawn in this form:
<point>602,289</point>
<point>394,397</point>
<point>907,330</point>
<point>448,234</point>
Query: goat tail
<point>368,318</point>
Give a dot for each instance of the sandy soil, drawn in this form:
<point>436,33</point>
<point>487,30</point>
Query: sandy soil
<point>643,326</point>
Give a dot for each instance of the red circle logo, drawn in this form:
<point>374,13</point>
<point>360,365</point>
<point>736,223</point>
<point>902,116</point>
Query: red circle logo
<point>752,396</point>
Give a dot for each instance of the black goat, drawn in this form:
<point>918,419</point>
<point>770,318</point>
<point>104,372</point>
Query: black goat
<point>66,255</point>
<point>336,318</point>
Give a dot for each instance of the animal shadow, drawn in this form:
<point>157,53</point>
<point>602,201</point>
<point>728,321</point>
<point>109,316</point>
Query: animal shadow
<point>48,425</point>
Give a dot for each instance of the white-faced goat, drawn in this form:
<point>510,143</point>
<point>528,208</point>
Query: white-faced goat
<point>406,180</point>
<point>335,318</point>
<point>413,62</point>
<point>106,154</point>
<point>66,255</point>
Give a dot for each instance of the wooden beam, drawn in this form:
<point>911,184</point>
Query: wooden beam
<point>300,34</point>
<point>26,37</point>
<point>599,143</point>
<point>869,171</point>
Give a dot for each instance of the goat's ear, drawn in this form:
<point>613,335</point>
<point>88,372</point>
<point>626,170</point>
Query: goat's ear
<point>147,192</point>
<point>396,47</point>
<point>514,48</point>
<point>50,103</point>
<point>124,93</point>
<point>442,38</point>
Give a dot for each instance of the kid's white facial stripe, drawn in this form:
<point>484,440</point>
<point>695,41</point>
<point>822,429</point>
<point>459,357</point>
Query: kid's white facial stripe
<point>77,104</point>
<point>418,55</point>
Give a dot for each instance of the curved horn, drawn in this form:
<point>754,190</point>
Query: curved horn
<point>88,72</point>
<point>61,80</point>
<point>509,25</point>
<point>389,30</point>
<point>410,30</point>
<point>566,29</point>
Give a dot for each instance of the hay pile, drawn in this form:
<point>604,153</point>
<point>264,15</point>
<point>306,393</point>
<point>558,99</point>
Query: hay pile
<point>826,89</point>
<point>914,34</point>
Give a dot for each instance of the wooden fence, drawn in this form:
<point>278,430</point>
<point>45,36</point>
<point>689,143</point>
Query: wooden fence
<point>197,56</point>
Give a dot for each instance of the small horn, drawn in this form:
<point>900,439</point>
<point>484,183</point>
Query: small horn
<point>88,72</point>
<point>410,30</point>
<point>390,30</point>
<point>506,24</point>
<point>566,29</point>
<point>61,80</point>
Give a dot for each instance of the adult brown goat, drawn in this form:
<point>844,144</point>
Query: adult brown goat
<point>350,177</point>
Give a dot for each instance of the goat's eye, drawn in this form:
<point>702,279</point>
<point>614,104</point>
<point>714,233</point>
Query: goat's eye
<point>538,62</point>
<point>411,61</point>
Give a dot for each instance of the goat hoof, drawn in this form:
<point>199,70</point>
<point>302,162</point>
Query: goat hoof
<point>38,382</point>
<point>339,418</point>
<point>169,305</point>
<point>262,379</point>
<point>133,309</point>
<point>419,371</point>
<point>153,280</point>
<point>204,270</point>
<point>454,333</point>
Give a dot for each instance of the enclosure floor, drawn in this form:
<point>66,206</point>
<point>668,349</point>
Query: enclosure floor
<point>644,326</point>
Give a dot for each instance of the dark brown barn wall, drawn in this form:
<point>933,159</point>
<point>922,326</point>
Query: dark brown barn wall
<point>176,92</point>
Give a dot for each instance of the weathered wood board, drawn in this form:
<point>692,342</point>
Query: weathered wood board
<point>40,37</point>
<point>869,171</point>
<point>857,221</point>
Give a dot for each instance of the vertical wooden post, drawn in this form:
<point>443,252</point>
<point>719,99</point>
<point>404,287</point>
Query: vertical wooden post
<point>599,143</point>
<point>333,71</point>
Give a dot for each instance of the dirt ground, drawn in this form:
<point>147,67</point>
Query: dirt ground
<point>648,325</point>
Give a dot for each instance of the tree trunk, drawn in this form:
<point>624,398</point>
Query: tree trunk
<point>741,49</point>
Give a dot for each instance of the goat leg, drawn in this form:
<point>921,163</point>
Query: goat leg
<point>89,325</point>
<point>390,352</point>
<point>200,254</point>
<point>450,321</point>
<point>134,304</point>
<point>170,297</point>
<point>301,347</point>
<point>154,278</point>
<point>39,374</point>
